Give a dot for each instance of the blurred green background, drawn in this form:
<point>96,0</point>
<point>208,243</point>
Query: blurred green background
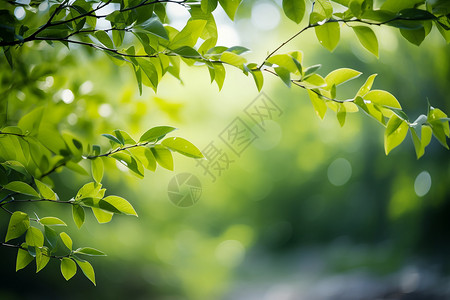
<point>309,210</point>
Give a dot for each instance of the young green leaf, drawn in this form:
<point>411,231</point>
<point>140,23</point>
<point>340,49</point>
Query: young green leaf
<point>68,268</point>
<point>294,9</point>
<point>182,146</point>
<point>230,7</point>
<point>367,38</point>
<point>328,35</point>
<point>259,79</point>
<point>21,188</point>
<point>23,259</point>
<point>319,104</point>
<point>395,133</point>
<point>112,138</point>
<point>120,204</point>
<point>156,133</point>
<point>382,98</point>
<point>284,75</point>
<point>145,156</point>
<point>41,259</point>
<point>163,156</point>
<point>101,215</point>
<point>18,225</point>
<point>104,39</point>
<point>78,215</point>
<point>34,237</point>
<point>130,162</point>
<point>89,251</point>
<point>87,269</point>
<point>66,240</point>
<point>365,88</point>
<point>45,191</point>
<point>341,114</point>
<point>340,76</point>
<point>52,221</point>
<point>97,169</point>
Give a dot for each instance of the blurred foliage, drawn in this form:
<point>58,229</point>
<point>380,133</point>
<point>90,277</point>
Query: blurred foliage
<point>303,186</point>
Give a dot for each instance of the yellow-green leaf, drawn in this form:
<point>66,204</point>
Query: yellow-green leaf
<point>21,188</point>
<point>87,269</point>
<point>328,35</point>
<point>97,169</point>
<point>18,225</point>
<point>367,38</point>
<point>395,133</point>
<point>319,104</point>
<point>382,98</point>
<point>68,268</point>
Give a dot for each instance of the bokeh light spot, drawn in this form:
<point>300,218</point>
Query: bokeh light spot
<point>67,96</point>
<point>422,184</point>
<point>339,172</point>
<point>265,16</point>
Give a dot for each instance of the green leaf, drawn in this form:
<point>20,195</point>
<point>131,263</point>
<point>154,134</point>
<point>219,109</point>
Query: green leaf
<point>45,191</point>
<point>97,169</point>
<point>259,79</point>
<point>208,6</point>
<point>367,38</point>
<point>112,138</point>
<point>284,75</point>
<point>285,61</point>
<point>439,124</point>
<point>89,251</point>
<point>90,189</point>
<point>21,188</point>
<point>130,162</point>
<point>87,269</point>
<point>52,221</point>
<point>51,236</point>
<point>78,215</point>
<point>365,88</point>
<point>189,35</point>
<point>18,225</point>
<point>104,38</point>
<point>340,76</point>
<point>311,70</point>
<point>319,104</point>
<point>370,109</point>
<point>314,81</point>
<point>23,259</point>
<point>187,52</point>
<point>397,5</point>
<point>30,123</point>
<point>41,259</point>
<point>153,26</point>
<point>66,240</point>
<point>328,35</point>
<point>76,168</point>
<point>68,268</point>
<point>382,98</point>
<point>102,216</point>
<point>145,156</point>
<point>421,142</point>
<point>34,237</point>
<point>149,71</point>
<point>233,59</point>
<point>414,36</point>
<point>182,146</point>
<point>341,114</point>
<point>121,205</point>
<point>163,156</point>
<point>230,7</point>
<point>156,133</point>
<point>395,133</point>
<point>294,9</point>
